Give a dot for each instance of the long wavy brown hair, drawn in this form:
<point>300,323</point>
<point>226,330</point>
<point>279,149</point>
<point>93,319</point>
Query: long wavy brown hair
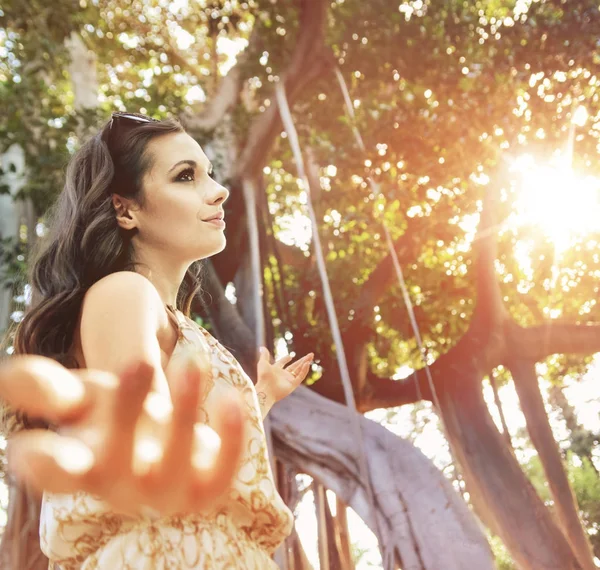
<point>84,244</point>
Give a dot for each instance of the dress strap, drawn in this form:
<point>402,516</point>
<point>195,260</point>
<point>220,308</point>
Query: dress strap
<point>175,318</point>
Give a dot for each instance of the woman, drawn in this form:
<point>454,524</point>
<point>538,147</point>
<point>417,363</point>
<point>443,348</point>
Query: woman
<point>134,474</point>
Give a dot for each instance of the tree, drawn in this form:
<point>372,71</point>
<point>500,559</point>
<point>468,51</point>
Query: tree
<point>442,91</point>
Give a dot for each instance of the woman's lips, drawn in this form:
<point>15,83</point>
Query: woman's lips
<point>218,222</point>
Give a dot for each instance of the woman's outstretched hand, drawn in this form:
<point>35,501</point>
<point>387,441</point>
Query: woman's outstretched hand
<point>136,450</point>
<point>279,379</point>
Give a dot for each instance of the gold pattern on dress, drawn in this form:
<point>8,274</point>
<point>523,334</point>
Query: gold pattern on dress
<point>79,531</point>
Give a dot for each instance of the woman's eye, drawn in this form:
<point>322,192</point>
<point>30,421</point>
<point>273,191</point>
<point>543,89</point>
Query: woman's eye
<point>186,175</point>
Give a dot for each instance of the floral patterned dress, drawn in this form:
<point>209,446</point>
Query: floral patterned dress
<point>80,532</point>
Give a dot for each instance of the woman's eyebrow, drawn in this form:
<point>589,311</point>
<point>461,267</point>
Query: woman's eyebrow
<point>191,163</point>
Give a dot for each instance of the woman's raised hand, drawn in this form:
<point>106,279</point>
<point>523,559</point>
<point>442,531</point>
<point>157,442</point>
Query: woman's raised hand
<point>139,451</point>
<point>279,379</point>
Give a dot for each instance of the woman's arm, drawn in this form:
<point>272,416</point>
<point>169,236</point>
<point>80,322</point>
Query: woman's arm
<point>121,317</point>
<point>96,443</point>
<point>277,380</point>
<point>265,401</point>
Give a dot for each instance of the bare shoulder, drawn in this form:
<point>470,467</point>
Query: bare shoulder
<point>124,283</point>
<point>121,317</point>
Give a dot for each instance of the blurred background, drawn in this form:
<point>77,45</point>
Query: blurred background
<point>450,157</point>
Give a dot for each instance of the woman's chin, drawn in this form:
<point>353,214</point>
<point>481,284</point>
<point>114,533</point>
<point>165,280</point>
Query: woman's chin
<point>216,248</point>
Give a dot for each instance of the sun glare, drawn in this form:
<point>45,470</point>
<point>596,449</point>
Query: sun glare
<point>295,230</point>
<point>553,199</point>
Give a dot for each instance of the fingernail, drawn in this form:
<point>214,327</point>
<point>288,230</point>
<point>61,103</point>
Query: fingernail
<point>206,448</point>
<point>158,407</point>
<point>67,387</point>
<point>74,457</point>
<point>148,451</point>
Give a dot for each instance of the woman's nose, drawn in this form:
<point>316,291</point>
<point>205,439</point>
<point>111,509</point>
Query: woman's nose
<point>218,195</point>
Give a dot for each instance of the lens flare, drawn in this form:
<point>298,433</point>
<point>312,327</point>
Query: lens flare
<point>559,203</point>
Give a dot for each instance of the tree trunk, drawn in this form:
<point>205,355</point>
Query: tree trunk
<point>326,559</point>
<point>83,72</point>
<point>582,440</point>
<point>13,165</point>
<point>298,559</point>
<point>422,518</point>
<point>342,536</point>
<point>499,488</point>
<point>288,489</point>
<point>329,544</point>
<point>538,426</point>
<point>503,495</point>
<point>498,403</point>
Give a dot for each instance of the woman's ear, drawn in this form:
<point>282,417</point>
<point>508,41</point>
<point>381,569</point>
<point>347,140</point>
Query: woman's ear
<point>125,217</point>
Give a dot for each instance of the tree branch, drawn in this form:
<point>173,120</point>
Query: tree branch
<point>213,113</point>
<point>532,306</point>
<point>534,344</point>
<point>380,280</point>
<point>387,393</point>
<point>447,373</point>
<point>489,311</point>
<point>226,97</point>
<point>309,60</point>
<point>537,343</point>
<point>381,392</point>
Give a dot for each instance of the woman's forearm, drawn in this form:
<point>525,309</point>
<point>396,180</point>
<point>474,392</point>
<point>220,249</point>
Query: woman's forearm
<point>265,402</point>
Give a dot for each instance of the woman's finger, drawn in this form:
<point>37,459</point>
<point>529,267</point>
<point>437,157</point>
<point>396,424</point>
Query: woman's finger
<point>265,354</point>
<point>176,459</point>
<point>49,461</point>
<point>302,372</point>
<point>305,369</point>
<point>42,388</point>
<point>295,366</point>
<point>209,483</point>
<point>284,360</point>
<point>130,394</point>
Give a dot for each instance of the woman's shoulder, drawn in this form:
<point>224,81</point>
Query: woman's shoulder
<point>126,283</point>
<point>125,291</point>
<point>123,318</point>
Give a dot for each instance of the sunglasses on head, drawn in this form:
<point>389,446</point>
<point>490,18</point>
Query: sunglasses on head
<point>132,118</point>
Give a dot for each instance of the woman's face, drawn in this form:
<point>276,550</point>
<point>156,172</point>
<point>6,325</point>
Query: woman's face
<point>179,199</point>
